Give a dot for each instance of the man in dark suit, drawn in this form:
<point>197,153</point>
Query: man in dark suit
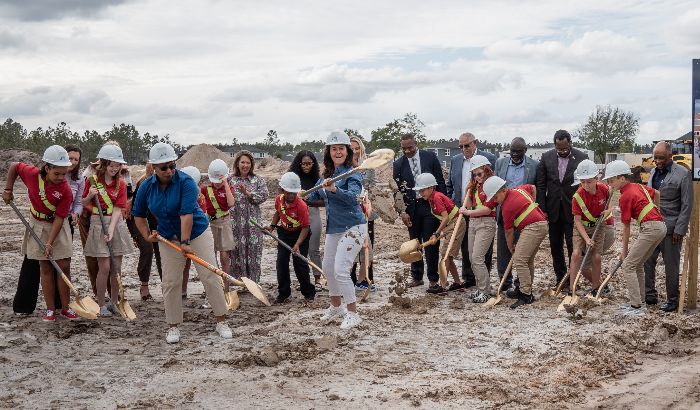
<point>555,174</point>
<point>417,217</point>
<point>518,169</point>
<point>456,186</point>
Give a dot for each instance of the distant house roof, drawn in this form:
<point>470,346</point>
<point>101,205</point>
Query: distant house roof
<point>445,144</point>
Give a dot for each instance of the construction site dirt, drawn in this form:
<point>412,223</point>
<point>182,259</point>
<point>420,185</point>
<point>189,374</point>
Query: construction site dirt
<point>411,350</point>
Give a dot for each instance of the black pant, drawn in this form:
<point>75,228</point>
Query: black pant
<point>424,226</point>
<point>145,251</point>
<point>153,225</point>
<point>301,269</point>
<point>353,273</point>
<point>503,256</point>
<point>28,287</point>
<point>467,272</point>
<point>560,231</point>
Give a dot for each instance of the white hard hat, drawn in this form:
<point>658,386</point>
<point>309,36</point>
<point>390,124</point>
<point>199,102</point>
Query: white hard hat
<point>111,153</point>
<point>616,168</point>
<point>290,182</point>
<point>56,155</point>
<point>218,171</point>
<point>479,161</point>
<point>193,172</point>
<point>586,169</point>
<point>493,185</point>
<point>161,153</point>
<point>425,180</point>
<point>338,138</point>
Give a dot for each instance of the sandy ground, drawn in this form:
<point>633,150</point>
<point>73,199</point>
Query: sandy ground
<point>414,351</point>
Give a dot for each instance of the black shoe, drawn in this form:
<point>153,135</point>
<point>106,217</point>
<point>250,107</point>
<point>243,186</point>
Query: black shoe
<point>280,299</point>
<point>415,282</point>
<point>469,283</point>
<point>669,307</point>
<point>455,286</point>
<point>514,293</point>
<point>523,299</point>
<point>651,300</point>
<point>435,289</point>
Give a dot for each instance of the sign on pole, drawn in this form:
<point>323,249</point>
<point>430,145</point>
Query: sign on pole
<point>696,119</point>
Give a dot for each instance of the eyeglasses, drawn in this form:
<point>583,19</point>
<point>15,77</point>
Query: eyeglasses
<point>466,145</point>
<point>478,174</point>
<point>166,167</point>
<point>307,164</point>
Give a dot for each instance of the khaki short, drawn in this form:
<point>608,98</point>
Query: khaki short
<point>62,245</point>
<point>222,233</point>
<point>95,245</point>
<point>457,246</point>
<point>601,246</point>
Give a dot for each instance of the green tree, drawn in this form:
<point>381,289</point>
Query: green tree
<point>12,134</point>
<point>389,136</point>
<point>608,129</point>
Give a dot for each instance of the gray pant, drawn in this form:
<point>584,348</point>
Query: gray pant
<point>671,254</point>
<point>315,240</point>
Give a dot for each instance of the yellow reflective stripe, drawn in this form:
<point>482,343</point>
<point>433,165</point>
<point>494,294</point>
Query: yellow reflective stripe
<point>42,195</point>
<point>450,216</point>
<point>105,197</point>
<point>295,223</point>
<point>651,205</point>
<point>39,215</point>
<point>215,203</point>
<point>527,211</point>
<point>584,208</point>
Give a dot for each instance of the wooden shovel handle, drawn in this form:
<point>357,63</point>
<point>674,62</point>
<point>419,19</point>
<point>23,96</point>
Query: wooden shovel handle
<point>505,276</point>
<point>289,248</point>
<point>334,179</point>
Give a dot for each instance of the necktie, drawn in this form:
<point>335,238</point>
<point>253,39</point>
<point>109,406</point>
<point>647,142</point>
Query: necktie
<point>414,167</point>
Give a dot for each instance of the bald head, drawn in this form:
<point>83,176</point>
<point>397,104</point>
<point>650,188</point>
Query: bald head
<point>518,148</point>
<point>662,154</point>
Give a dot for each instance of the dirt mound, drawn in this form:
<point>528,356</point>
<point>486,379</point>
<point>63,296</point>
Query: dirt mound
<point>201,156</point>
<point>8,156</point>
<point>272,167</point>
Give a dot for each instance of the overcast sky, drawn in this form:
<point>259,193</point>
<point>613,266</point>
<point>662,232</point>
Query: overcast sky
<point>206,71</point>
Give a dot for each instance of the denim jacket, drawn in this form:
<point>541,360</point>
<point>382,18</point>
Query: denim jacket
<point>342,209</point>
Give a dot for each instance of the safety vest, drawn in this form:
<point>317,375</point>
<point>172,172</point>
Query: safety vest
<point>527,211</point>
<point>47,204</point>
<point>584,209</point>
<point>293,223</point>
<point>651,205</point>
<point>219,213</point>
<point>452,214</point>
<point>477,199</point>
<point>105,198</point>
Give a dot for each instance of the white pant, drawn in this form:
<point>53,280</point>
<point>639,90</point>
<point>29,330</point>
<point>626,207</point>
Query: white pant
<point>339,254</point>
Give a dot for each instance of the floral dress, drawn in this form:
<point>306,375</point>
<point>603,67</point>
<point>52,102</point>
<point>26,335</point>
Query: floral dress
<point>246,256</point>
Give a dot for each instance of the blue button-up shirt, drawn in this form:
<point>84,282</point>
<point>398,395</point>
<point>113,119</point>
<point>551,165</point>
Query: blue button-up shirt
<point>342,209</point>
<point>178,198</point>
<point>660,175</point>
<point>515,174</point>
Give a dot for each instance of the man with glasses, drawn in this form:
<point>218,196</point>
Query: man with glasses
<point>518,169</point>
<point>460,175</point>
<point>555,174</point>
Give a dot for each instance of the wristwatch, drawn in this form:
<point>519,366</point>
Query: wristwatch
<point>186,242</point>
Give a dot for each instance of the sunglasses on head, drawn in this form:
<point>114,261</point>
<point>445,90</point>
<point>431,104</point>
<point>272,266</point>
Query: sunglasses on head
<point>166,167</point>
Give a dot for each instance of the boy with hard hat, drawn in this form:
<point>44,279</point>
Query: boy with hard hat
<point>218,199</point>
<point>588,206</point>
<point>520,211</point>
<point>638,202</point>
<point>445,211</point>
<point>292,223</point>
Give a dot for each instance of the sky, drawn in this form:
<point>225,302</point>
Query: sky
<point>208,71</point>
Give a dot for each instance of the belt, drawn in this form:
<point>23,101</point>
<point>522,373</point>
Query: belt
<point>214,217</point>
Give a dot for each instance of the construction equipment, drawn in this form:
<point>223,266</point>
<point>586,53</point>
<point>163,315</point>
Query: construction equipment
<point>681,154</point>
<point>374,160</point>
<point>85,307</point>
<point>497,299</point>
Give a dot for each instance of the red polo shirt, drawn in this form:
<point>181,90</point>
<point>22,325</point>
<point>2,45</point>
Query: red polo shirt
<point>117,194</point>
<point>297,210</point>
<point>440,203</point>
<point>219,194</point>
<point>515,204</point>
<point>594,202</point>
<point>58,195</point>
<point>489,204</point>
<point>633,200</point>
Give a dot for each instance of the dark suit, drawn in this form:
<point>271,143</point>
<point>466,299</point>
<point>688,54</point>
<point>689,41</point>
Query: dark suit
<point>424,224</point>
<point>554,197</point>
<point>454,191</point>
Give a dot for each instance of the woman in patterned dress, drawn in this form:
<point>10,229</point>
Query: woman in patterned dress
<point>250,191</point>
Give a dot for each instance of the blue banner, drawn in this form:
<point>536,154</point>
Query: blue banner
<point>696,119</point>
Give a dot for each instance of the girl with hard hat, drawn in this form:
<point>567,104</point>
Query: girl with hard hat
<point>346,228</point>
<point>520,211</point>
<point>588,206</point>
<point>641,203</point>
<point>292,222</point>
<point>445,211</point>
<point>218,199</point>
<point>171,196</point>
<point>110,189</point>
<point>369,178</point>
<point>50,200</point>
<point>482,225</point>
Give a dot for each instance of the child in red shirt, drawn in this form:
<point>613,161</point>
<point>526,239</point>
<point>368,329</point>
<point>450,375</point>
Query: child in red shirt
<point>292,223</point>
<point>519,210</point>
<point>638,202</point>
<point>217,200</point>
<point>50,199</point>
<point>110,189</point>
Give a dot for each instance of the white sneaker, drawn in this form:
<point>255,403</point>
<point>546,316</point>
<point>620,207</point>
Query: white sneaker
<point>223,330</point>
<point>333,313</point>
<point>630,311</point>
<point>105,312</point>
<point>173,335</point>
<point>350,320</point>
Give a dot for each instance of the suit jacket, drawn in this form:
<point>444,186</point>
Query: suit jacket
<point>454,182</point>
<point>403,176</point>
<point>551,193</point>
<point>530,169</point>
<point>676,193</point>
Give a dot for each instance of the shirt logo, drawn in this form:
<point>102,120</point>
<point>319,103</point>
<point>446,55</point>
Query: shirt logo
<point>57,195</point>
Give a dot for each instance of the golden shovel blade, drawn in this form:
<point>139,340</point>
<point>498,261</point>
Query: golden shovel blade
<point>125,310</point>
<point>568,300</point>
<point>378,158</point>
<point>255,290</point>
<point>409,253</point>
<point>232,300</point>
<point>85,307</point>
<point>493,301</point>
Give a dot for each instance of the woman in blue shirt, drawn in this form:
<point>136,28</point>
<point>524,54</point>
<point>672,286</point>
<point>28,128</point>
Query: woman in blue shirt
<point>346,228</point>
<point>171,196</point>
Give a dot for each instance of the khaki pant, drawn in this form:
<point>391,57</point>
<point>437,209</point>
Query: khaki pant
<point>173,265</point>
<point>651,233</point>
<point>525,250</point>
<point>605,240</point>
<point>459,237</point>
<point>479,240</point>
